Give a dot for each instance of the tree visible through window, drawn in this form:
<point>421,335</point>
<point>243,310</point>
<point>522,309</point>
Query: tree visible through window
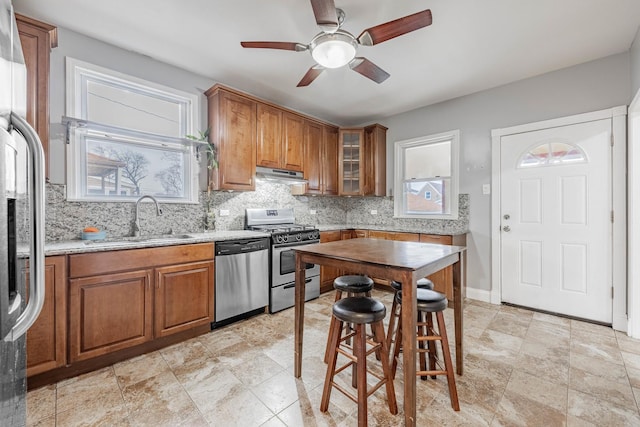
<point>129,140</point>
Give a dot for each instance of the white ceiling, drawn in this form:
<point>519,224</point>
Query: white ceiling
<point>472,45</point>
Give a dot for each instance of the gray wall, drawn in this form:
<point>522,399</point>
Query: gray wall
<point>635,64</point>
<point>106,55</point>
<point>587,87</point>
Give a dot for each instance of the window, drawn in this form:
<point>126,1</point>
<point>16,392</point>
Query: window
<point>127,138</point>
<point>426,169</point>
<point>552,153</point>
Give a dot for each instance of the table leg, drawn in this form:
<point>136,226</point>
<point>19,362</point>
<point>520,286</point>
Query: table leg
<point>299,315</point>
<point>409,314</point>
<point>458,297</point>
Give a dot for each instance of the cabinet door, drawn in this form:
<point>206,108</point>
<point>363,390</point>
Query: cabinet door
<point>313,167</point>
<point>328,274</point>
<point>183,297</point>
<point>269,145</point>
<point>47,337</point>
<point>375,161</point>
<point>233,121</point>
<point>293,140</point>
<point>443,279</point>
<point>109,313</point>
<point>37,39</point>
<point>350,161</point>
<point>330,161</point>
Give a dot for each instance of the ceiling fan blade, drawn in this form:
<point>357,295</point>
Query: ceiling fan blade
<point>311,75</point>
<point>298,47</point>
<point>389,30</point>
<point>368,69</point>
<point>326,14</point>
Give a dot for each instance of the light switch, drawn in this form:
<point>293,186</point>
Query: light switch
<point>224,212</point>
<point>312,211</point>
<point>374,212</point>
<point>486,188</point>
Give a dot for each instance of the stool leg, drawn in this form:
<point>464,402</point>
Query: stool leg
<point>386,368</point>
<point>327,354</point>
<point>451,378</point>
<point>360,352</point>
<point>396,350</point>
<point>422,325</point>
<point>392,323</point>
<point>335,334</point>
<point>433,356</point>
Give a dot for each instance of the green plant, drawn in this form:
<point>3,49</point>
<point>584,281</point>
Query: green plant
<point>212,152</point>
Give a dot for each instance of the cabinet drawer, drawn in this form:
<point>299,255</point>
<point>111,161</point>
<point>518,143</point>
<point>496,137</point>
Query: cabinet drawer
<point>436,238</point>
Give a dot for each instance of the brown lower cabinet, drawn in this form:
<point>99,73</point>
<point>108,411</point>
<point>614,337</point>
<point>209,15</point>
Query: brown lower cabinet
<point>328,274</point>
<point>47,337</point>
<point>162,291</point>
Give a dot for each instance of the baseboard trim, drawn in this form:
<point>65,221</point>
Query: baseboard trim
<point>479,294</point>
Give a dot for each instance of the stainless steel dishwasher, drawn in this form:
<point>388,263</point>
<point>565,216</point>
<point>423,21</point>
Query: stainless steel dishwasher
<point>242,278</point>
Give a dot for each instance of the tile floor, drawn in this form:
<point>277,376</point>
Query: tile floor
<point>522,368</point>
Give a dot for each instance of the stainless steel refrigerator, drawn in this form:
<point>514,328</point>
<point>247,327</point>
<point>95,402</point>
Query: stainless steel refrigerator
<point>21,223</point>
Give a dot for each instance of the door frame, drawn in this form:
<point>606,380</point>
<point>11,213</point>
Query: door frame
<point>634,209</point>
<point>619,194</point>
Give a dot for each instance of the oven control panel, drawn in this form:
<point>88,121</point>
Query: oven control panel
<point>296,236</point>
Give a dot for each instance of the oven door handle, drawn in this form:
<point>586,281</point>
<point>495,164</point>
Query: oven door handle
<point>296,243</point>
<point>292,285</point>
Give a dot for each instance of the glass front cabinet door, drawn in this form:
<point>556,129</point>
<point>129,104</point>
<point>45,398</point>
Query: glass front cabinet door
<point>350,161</point>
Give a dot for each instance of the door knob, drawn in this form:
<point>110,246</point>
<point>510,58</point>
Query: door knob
<point>506,228</point>
<point>507,216</point>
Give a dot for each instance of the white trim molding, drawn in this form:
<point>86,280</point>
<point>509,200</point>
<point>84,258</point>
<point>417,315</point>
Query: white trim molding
<point>633,181</point>
<point>619,194</point>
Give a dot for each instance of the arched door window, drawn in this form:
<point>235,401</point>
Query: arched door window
<point>552,153</point>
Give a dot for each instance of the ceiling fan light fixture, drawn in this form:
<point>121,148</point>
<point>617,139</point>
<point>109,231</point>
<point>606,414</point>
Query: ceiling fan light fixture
<point>333,50</point>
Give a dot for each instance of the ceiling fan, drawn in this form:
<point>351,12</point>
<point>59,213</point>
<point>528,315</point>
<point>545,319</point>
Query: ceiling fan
<point>334,47</point>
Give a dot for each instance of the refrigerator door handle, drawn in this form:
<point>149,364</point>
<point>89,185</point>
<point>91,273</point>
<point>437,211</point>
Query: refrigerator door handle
<point>36,256</point>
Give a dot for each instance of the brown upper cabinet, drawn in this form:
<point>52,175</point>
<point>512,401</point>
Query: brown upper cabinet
<point>362,161</point>
<point>280,138</point>
<point>37,39</point>
<point>232,121</point>
<point>320,160</point>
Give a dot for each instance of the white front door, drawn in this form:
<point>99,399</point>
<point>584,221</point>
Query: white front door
<point>556,231</point>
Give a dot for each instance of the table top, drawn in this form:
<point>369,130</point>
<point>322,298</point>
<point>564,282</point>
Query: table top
<point>391,253</point>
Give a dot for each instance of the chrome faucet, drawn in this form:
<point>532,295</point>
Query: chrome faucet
<point>136,223</point>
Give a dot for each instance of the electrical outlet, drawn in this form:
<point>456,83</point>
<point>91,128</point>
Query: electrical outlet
<point>486,188</point>
<point>224,212</point>
<point>374,212</point>
<point>312,211</point>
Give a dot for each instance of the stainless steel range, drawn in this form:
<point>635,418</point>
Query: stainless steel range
<point>285,235</point>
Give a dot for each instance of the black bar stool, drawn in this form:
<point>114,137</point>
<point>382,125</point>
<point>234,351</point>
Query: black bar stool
<point>360,311</point>
<point>429,302</point>
<point>354,286</point>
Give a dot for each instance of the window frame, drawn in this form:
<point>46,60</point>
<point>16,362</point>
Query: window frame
<point>400,147</point>
<point>78,74</point>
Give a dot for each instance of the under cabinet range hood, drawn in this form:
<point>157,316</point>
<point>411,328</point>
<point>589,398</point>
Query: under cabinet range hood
<point>280,176</point>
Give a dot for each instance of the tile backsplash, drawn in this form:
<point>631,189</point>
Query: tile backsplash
<point>65,220</point>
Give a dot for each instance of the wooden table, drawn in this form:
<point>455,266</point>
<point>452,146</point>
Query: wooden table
<point>404,262</point>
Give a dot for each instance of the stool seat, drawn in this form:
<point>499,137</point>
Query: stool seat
<point>423,283</point>
<point>359,310</point>
<point>427,300</point>
<point>353,283</point>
